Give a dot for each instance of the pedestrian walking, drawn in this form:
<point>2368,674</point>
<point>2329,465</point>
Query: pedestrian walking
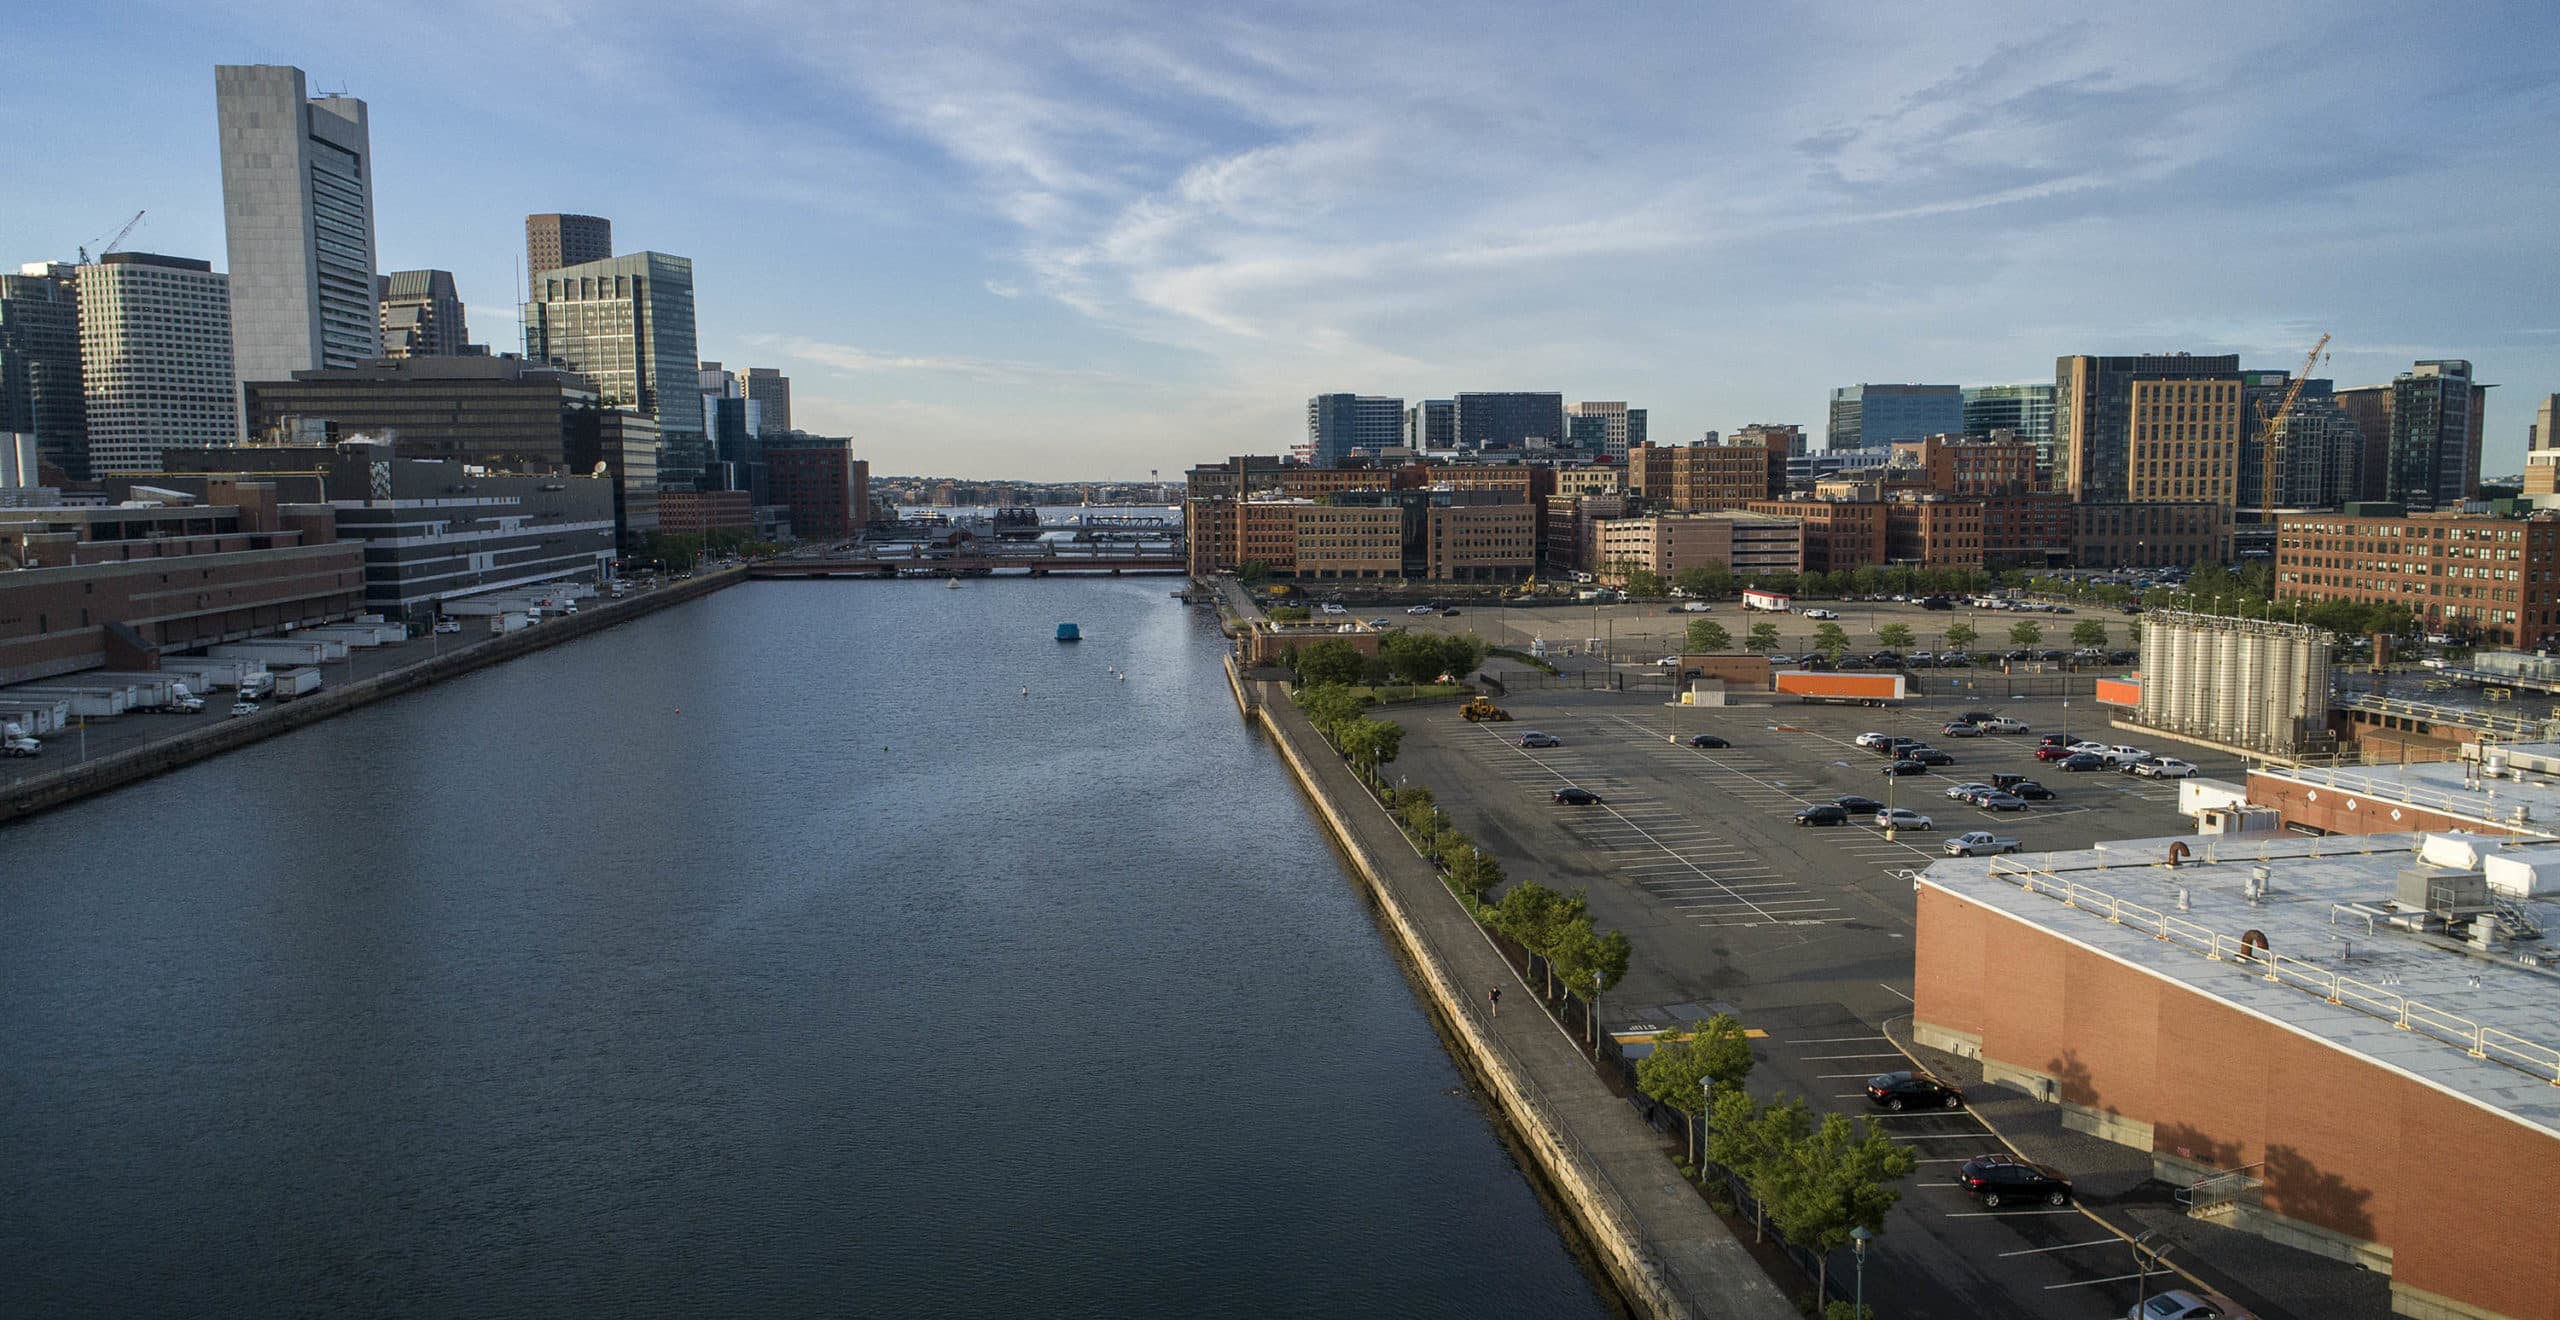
<point>1494,996</point>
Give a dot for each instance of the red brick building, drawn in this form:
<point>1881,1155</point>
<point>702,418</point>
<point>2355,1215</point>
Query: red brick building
<point>826,488</point>
<point>697,511</point>
<point>2480,578</point>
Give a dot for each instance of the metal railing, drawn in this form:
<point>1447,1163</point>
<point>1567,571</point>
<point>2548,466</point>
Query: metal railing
<point>2213,1191</point>
<point>2478,1039</point>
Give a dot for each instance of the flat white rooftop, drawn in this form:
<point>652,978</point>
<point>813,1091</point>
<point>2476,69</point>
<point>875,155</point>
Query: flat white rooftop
<point>2455,788</point>
<point>2342,964</point>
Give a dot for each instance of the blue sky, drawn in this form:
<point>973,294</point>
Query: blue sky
<point>1062,239</point>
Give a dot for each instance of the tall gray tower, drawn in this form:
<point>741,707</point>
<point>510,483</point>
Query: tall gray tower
<point>297,208</point>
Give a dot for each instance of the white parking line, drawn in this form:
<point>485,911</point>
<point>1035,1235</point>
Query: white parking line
<point>2067,1246</point>
<point>1887,1054</point>
<point>1987,1214</point>
<point>2083,1283</point>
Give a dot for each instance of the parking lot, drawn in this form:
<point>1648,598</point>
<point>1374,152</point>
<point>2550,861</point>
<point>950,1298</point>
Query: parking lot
<point>1804,933</point>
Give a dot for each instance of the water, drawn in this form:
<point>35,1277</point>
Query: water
<point>771,955</point>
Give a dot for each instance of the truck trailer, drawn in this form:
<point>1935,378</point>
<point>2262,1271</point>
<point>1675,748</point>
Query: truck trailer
<point>295,683</point>
<point>1774,602</point>
<point>1841,689</point>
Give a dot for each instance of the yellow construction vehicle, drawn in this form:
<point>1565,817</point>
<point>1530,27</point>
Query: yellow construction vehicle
<point>1480,709</point>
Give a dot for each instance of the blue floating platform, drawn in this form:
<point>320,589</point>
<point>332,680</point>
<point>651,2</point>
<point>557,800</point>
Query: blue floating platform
<point>1067,633</point>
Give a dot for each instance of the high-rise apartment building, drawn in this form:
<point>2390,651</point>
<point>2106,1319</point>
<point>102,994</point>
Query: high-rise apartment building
<point>2024,410</point>
<point>771,392</point>
<point>1509,420</point>
<point>1604,427</point>
<point>553,240</point>
<point>2317,449</point>
<point>2369,407</point>
<point>2473,577</point>
<point>2163,427</point>
<point>297,211</point>
<point>1431,426</point>
<point>1873,416</point>
<point>626,323</point>
<point>1340,423</point>
<point>155,355</point>
<point>422,315</point>
<point>40,363</point>
<point>2433,461</point>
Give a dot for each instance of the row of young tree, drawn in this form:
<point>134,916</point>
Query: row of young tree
<point>1403,657</point>
<point>2248,592</point>
<point>1818,1180</point>
<point>1552,924</point>
<point>1716,581</point>
<point>1708,637</point>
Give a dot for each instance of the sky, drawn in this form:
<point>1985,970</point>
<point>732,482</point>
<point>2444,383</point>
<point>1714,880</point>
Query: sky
<point>1064,240</point>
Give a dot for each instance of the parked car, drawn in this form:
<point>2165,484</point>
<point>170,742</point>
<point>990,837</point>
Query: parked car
<point>1899,768</point>
<point>2052,752</point>
<point>1869,739</point>
<point>1825,814</point>
<point>1707,740</point>
<point>2059,739</point>
<point>1449,613</point>
<point>1980,843</point>
<point>2179,1304</point>
<point>1669,662</point>
<point>2092,748</point>
<point>1821,614</point>
<point>1960,729</point>
<point>2003,724</point>
<point>1696,607</point>
<point>1857,806</point>
<point>1977,717</point>
<point>1928,756</point>
<point>2029,790</point>
<point>1330,608</point>
<point>2052,654</point>
<point>1998,1180</point>
<point>2126,753</point>
<point>1993,799</point>
<point>1967,789</point>
<point>1533,738</point>
<point>1903,818</point>
<point>244,708</point>
<point>1898,1091</point>
<point>1420,609</point>
<point>1884,659</point>
<point>2164,767</point>
<point>2123,657</point>
<point>2082,762</point>
<point>1382,623</point>
<point>1956,660</point>
<point>1893,744</point>
<point>1574,797</point>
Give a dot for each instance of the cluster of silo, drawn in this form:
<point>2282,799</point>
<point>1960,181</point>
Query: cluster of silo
<point>2240,682</point>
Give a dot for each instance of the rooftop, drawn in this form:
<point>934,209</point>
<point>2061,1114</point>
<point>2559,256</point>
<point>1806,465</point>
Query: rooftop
<point>2343,961</point>
<point>2524,795</point>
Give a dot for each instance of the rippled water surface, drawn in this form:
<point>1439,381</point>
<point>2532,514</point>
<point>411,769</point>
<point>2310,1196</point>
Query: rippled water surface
<point>771,955</point>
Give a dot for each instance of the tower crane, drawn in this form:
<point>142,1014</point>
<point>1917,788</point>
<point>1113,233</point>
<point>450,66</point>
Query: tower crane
<point>113,243</point>
<point>2270,444</point>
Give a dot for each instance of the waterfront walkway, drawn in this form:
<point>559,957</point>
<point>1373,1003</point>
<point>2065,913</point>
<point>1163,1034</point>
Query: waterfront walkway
<point>1662,1242</point>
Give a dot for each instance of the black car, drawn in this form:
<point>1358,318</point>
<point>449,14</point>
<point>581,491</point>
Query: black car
<point>1895,746</point>
<point>2051,653</point>
<point>2081,762</point>
<point>1978,716</point>
<point>1858,806</point>
<point>1898,1091</point>
<point>2057,740</point>
<point>1928,756</point>
<point>2030,790</point>
<point>1884,659</point>
<point>2123,657</point>
<point>1825,814</point>
<point>2006,1179</point>
<point>1707,740</point>
<point>1906,766</point>
<point>1448,614</point>
<point>1937,603</point>
<point>1575,797</point>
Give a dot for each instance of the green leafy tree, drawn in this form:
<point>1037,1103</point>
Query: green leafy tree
<point>1707,637</point>
<point>1832,640</point>
<point>1369,744</point>
<point>1583,954</point>
<point>1253,573</point>
<point>2025,633</point>
<point>1962,635</point>
<point>1413,657</point>
<point>1473,872</point>
<point>1644,582</point>
<point>1838,1178</point>
<point>1753,1139</point>
<point>1896,636</point>
<point>1763,638</point>
<point>2089,632</point>
<point>1460,653</point>
<point>1328,662</point>
<point>1331,708</point>
<point>1709,581</point>
<point>1288,614</point>
<point>1714,1048</point>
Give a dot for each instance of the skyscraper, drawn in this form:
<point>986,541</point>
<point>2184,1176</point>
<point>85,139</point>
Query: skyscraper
<point>297,210</point>
<point>155,353</point>
<point>1605,427</point>
<point>2542,449</point>
<point>2160,428</point>
<point>2369,407</point>
<point>1874,416</point>
<point>1340,423</point>
<point>2433,461</point>
<point>1509,420</point>
<point>1431,425</point>
<point>2317,448</point>
<point>422,315</point>
<point>2026,410</point>
<point>40,363</point>
<point>771,391</point>
<point>626,323</point>
<point>553,240</point>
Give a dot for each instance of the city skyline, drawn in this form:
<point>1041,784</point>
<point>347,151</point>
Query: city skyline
<point>1077,245</point>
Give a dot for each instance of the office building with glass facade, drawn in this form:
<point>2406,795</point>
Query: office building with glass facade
<point>626,324</point>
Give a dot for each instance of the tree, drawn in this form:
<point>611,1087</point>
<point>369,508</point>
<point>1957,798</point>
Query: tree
<point>1473,872</point>
<point>1331,708</point>
<point>2025,633</point>
<point>1714,1048</point>
<point>1707,637</point>
<point>1962,635</point>
<point>1330,661</point>
<point>1583,955</point>
<point>1413,657</point>
<point>1896,636</point>
<point>1832,640</point>
<point>1763,638</point>
<point>1710,580</point>
<point>1369,743</point>
<point>1253,573</point>
<point>1643,582</point>
<point>2089,632</point>
<point>1838,1178</point>
<point>1753,1139</point>
<point>1288,614</point>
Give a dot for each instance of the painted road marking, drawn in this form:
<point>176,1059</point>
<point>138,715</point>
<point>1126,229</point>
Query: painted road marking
<point>2068,1246</point>
<point>1887,1054</point>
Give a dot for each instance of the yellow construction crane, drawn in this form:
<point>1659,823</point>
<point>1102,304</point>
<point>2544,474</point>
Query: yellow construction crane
<point>2270,444</point>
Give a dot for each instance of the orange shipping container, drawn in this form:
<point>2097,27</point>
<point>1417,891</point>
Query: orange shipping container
<point>1863,689</point>
<point>2120,692</point>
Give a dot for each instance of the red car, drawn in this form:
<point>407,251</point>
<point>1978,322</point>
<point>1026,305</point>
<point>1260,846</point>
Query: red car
<point>2052,752</point>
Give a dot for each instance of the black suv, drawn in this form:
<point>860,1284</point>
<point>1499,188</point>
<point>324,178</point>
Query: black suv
<point>1898,1091</point>
<point>1825,814</point>
<point>2005,1179</point>
<point>1927,756</point>
<point>1858,806</point>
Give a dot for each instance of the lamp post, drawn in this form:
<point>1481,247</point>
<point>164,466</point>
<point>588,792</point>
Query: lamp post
<point>1595,1016</point>
<point>1858,1239</point>
<point>1706,1122</point>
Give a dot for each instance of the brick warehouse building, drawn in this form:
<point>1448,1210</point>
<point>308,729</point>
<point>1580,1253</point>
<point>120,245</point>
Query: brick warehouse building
<point>2378,1090</point>
<point>2481,578</point>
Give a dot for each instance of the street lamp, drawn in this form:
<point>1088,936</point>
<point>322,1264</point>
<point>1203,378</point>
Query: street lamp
<point>1858,1239</point>
<point>1706,1122</point>
<point>1595,1016</point>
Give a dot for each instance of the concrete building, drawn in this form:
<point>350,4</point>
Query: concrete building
<point>1509,420</point>
<point>2433,458</point>
<point>502,412</point>
<point>1337,424</point>
<point>626,323</point>
<point>297,210</point>
<point>1606,427</point>
<point>2483,579</point>
<point>1962,465</point>
<point>2025,411</point>
<point>40,363</point>
<point>422,315</point>
<point>625,444</point>
<point>2157,535</point>
<point>432,531</point>
<point>1596,479</point>
<point>1347,541</point>
<point>2029,530</point>
<point>826,488</point>
<point>770,391</point>
<point>2161,428</point>
<point>2542,449</point>
<point>553,240</point>
<point>1838,534</point>
<point>1872,416</point>
<point>1431,426</point>
<point>1485,541</point>
<point>2341,1045</point>
<point>1667,544</point>
<point>155,352</point>
<point>97,611</point>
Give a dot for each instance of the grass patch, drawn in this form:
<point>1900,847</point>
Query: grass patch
<point>1525,658</point>
<point>1392,693</point>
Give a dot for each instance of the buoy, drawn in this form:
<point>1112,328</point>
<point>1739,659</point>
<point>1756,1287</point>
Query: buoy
<point>1026,692</point>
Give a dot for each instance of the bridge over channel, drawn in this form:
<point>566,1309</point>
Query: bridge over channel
<point>859,564</point>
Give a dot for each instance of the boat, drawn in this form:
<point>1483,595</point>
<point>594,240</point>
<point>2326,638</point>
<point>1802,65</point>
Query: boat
<point>1067,633</point>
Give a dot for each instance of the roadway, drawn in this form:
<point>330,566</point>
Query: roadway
<point>1806,936</point>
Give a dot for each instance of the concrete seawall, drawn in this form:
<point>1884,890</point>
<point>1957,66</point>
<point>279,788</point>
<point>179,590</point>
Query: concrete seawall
<point>43,792</point>
<point>1666,1251</point>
